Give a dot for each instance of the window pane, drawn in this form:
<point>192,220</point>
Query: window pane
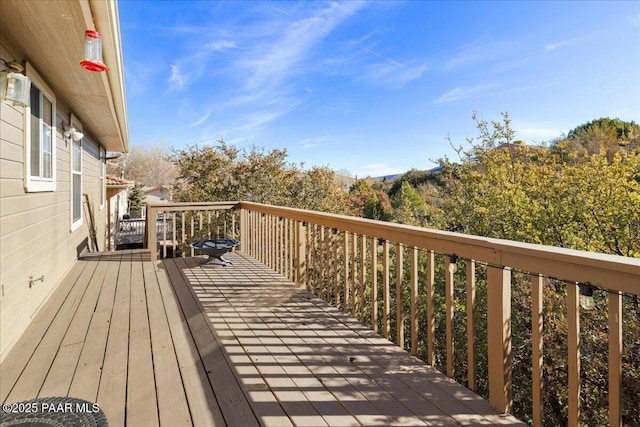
<point>47,158</point>
<point>47,111</point>
<point>34,103</point>
<point>77,156</point>
<point>77,197</point>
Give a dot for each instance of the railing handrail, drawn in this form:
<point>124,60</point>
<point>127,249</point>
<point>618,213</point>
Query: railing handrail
<point>611,272</point>
<point>192,206</point>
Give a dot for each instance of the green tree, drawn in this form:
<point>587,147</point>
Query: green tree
<point>408,207</point>
<point>605,134</point>
<point>222,172</point>
<point>588,201</point>
<point>136,200</point>
<point>316,189</point>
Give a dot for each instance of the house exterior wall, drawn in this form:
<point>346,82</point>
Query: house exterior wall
<point>36,235</point>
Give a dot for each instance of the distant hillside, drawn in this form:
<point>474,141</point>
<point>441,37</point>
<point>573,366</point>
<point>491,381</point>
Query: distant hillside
<point>387,177</point>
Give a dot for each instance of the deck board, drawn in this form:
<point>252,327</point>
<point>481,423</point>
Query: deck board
<point>172,399</point>
<point>12,367</point>
<point>142,406</point>
<point>86,378</point>
<point>203,406</point>
<point>175,342</point>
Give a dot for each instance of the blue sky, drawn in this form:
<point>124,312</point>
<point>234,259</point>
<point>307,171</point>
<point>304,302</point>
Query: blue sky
<point>373,87</point>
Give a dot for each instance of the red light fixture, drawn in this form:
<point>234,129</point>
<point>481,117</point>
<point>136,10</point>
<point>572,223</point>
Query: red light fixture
<point>93,52</point>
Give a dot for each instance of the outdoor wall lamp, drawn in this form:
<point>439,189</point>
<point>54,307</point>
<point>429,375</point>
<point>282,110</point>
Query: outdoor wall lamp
<point>93,52</point>
<point>586,296</point>
<point>453,263</point>
<point>70,132</point>
<point>14,86</point>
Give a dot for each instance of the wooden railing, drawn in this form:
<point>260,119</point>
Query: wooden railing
<point>355,263</point>
<point>177,225</point>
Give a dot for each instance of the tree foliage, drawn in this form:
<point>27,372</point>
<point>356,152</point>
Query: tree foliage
<point>580,193</point>
<point>223,172</point>
<point>136,199</point>
<point>148,165</point>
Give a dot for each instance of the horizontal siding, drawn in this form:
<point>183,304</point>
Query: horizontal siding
<point>35,228</point>
<point>12,152</point>
<point>10,187</point>
<point>10,169</point>
<point>12,119</point>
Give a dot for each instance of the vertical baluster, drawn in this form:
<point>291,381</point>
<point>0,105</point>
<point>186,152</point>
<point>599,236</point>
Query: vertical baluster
<point>414,302</point>
<point>386,297</point>
<point>336,270</point>
<point>328,271</point>
<point>431,316</point>
<point>573,354</point>
<point>313,259</point>
<point>270,238</point>
<point>345,272</point>
<point>183,228</point>
<point>374,284</point>
<point>192,231</point>
<point>309,253</point>
<point>615,358</point>
<point>233,225</point>
<point>363,277</point>
<point>354,275</point>
<point>279,245</point>
<point>283,247</point>
<point>449,314</point>
<point>285,258</point>
<point>321,264</point>
<point>164,234</point>
<point>174,242</point>
<point>399,308</point>
<point>471,324</point>
<point>301,254</point>
<point>537,346</point>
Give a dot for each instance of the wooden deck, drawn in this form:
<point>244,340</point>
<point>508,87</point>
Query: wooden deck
<point>175,343</point>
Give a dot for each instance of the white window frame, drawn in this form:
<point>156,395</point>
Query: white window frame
<point>103,189</point>
<point>39,183</point>
<point>75,223</point>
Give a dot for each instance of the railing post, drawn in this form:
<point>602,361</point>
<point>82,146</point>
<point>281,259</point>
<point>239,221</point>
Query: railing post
<point>499,337</point>
<point>301,256</point>
<point>152,231</point>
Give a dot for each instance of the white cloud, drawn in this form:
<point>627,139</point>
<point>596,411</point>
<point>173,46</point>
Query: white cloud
<point>201,120</point>
<point>219,45</point>
<point>459,93</point>
<point>635,20</point>
<point>178,78</point>
<point>479,51</point>
<point>272,62</point>
<point>568,42</point>
<point>318,141</point>
<point>554,46</point>
<point>393,73</point>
